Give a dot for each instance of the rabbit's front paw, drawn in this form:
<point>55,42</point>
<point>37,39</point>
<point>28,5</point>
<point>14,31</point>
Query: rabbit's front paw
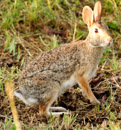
<point>84,94</point>
<point>95,101</point>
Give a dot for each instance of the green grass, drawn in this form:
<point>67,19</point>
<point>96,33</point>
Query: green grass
<point>28,27</point>
<point>8,124</point>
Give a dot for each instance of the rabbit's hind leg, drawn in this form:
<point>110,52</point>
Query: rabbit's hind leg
<point>45,105</point>
<point>47,101</point>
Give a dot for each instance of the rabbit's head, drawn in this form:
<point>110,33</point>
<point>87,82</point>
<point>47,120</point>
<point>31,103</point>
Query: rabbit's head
<point>98,33</point>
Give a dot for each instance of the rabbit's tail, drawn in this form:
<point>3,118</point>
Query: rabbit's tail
<point>28,101</point>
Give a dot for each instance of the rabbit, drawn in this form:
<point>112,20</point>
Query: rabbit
<point>54,71</point>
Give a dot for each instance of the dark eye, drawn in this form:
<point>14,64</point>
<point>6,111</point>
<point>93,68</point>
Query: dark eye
<point>96,30</point>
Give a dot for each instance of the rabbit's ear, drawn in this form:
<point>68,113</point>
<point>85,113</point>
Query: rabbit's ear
<point>87,15</point>
<point>97,11</point>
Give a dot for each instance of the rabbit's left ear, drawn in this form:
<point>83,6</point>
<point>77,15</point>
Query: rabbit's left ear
<point>97,11</point>
<point>87,15</point>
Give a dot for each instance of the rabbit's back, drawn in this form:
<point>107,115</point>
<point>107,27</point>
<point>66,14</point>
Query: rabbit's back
<point>63,59</point>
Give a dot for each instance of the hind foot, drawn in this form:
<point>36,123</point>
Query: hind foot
<point>57,109</point>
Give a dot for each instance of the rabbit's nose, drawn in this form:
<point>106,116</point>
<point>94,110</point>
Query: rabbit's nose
<point>110,41</point>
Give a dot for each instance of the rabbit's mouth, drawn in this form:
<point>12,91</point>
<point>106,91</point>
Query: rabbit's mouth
<point>108,43</point>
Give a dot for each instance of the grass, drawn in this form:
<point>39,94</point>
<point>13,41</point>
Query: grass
<point>29,27</point>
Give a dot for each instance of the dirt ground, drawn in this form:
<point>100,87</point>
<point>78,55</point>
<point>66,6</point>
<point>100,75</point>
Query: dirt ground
<point>73,100</point>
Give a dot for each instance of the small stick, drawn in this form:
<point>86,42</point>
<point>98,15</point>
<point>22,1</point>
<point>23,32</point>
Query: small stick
<point>9,90</point>
<point>74,35</point>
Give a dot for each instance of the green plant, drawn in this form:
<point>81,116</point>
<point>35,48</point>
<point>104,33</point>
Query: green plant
<point>8,124</point>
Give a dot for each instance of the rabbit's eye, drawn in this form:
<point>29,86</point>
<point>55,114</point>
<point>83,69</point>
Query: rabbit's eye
<point>96,30</point>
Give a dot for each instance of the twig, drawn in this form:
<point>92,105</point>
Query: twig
<point>74,32</point>
<point>9,90</point>
<point>25,48</point>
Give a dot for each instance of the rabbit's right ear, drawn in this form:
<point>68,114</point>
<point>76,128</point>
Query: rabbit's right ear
<point>87,15</point>
<point>97,11</point>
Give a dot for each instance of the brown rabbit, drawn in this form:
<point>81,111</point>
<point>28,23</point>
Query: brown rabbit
<point>50,74</point>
